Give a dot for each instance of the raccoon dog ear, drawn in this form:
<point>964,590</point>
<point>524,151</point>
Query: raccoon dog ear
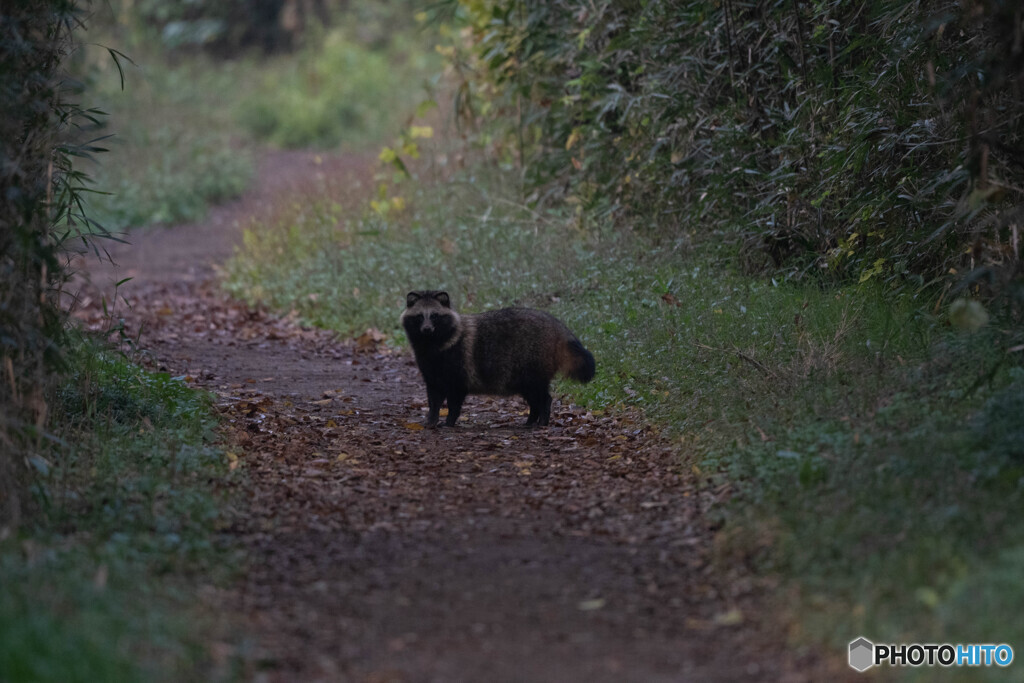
<point>442,298</point>
<point>411,298</point>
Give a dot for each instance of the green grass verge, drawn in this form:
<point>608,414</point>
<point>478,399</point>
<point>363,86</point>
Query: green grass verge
<point>105,585</point>
<point>875,452</point>
<point>185,126</point>
<point>337,91</point>
<point>176,148</point>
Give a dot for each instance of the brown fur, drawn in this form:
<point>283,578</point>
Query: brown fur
<point>504,352</point>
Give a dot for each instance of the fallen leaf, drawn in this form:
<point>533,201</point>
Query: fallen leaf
<point>730,618</point>
<point>369,340</point>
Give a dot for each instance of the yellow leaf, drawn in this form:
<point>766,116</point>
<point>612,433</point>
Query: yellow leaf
<point>421,132</point>
<point>929,597</point>
<point>730,618</point>
<point>411,149</point>
<point>387,155</point>
<point>574,137</point>
<point>968,314</point>
<point>415,426</point>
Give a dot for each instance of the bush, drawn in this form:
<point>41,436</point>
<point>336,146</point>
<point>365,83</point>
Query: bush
<point>181,173</point>
<point>130,499</point>
<point>38,191</point>
<point>999,428</point>
<point>847,140</point>
<point>337,90</point>
<point>227,25</point>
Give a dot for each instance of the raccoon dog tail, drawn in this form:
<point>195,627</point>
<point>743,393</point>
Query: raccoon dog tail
<point>581,366</point>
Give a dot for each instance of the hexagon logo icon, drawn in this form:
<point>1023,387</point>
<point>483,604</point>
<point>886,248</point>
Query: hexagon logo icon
<point>862,654</point>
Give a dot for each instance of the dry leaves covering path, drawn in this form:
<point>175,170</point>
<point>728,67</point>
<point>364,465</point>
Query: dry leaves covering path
<point>377,551</point>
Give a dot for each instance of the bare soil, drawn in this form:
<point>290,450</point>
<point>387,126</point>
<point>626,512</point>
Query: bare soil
<point>378,551</point>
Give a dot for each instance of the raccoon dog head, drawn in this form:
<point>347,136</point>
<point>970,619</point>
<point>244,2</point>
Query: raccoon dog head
<point>429,318</point>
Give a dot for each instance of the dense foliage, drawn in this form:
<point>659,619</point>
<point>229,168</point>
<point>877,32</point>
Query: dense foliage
<point>226,26</point>
<point>37,193</point>
<point>850,140</point>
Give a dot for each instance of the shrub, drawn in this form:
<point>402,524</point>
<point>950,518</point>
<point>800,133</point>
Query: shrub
<point>337,90</point>
<point>851,140</point>
<point>38,191</point>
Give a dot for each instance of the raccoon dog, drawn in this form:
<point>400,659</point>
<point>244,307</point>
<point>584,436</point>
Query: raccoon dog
<point>504,352</point>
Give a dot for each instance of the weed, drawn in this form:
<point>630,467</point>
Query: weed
<point>173,151</point>
<point>338,90</point>
<point>350,273</point>
<point>128,503</point>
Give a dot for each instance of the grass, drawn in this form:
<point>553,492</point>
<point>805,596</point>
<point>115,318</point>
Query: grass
<point>187,127</point>
<point>338,91</point>
<point>873,450</point>
<point>103,585</point>
<point>176,148</point>
<point>351,271</point>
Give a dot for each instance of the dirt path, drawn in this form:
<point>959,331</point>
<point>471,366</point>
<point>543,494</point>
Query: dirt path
<point>382,552</point>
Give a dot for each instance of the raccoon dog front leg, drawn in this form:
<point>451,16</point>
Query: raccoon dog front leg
<point>455,400</point>
<point>435,398</point>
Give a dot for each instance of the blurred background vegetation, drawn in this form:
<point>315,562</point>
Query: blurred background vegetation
<point>829,140</point>
<point>790,233</point>
<point>209,82</point>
